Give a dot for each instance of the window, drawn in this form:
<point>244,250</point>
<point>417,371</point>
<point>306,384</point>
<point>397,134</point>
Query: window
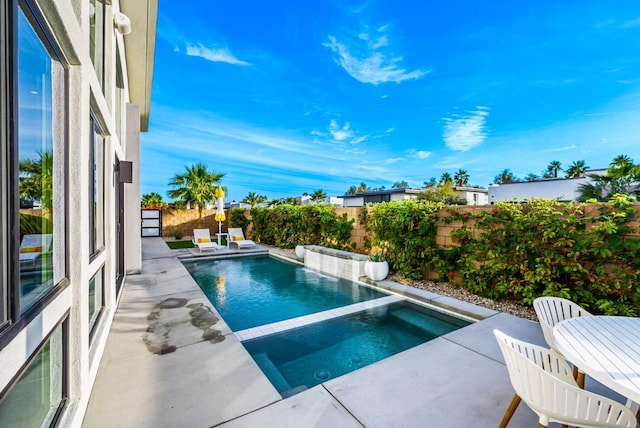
<point>39,163</point>
<point>96,44</point>
<point>37,396</point>
<point>6,83</point>
<point>96,293</point>
<point>97,192</point>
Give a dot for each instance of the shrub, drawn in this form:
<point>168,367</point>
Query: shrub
<point>238,219</point>
<point>407,231</point>
<point>286,226</point>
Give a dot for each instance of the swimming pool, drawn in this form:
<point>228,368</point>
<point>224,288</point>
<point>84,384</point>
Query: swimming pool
<point>297,359</point>
<point>258,290</point>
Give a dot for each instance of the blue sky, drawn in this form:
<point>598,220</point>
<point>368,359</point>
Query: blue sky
<point>286,97</point>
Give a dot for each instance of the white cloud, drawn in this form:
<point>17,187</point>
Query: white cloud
<point>344,133</point>
<point>366,60</point>
<point>421,154</point>
<point>464,132</point>
<point>561,149</point>
<point>631,24</point>
<point>214,55</point>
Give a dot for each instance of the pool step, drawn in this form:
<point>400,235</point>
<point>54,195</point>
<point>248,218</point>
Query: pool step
<point>272,372</point>
<point>416,319</point>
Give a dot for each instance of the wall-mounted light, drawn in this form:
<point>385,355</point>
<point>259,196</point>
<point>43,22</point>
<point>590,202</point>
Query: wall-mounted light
<point>122,23</point>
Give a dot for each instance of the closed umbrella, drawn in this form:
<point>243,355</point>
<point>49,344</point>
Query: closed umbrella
<point>220,217</point>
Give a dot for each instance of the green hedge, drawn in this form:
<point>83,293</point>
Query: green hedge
<point>407,233</point>
<point>522,251</point>
<point>286,226</point>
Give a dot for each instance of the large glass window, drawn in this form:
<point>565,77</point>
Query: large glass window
<point>38,393</point>
<point>97,191</point>
<point>96,293</point>
<point>40,150</point>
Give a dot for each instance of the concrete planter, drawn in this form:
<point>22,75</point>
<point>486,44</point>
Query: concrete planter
<point>376,271</point>
<point>300,251</point>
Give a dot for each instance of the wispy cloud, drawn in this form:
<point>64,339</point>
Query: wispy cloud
<point>561,149</point>
<point>214,55</point>
<point>422,154</point>
<point>632,23</point>
<point>368,58</point>
<point>464,132</point>
<point>340,133</point>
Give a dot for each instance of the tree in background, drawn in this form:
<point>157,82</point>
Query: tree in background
<point>461,178</point>
<point>576,169</point>
<point>253,199</point>
<point>445,178</point>
<point>362,188</point>
<point>531,177</point>
<point>352,190</point>
<point>622,177</point>
<point>400,185</point>
<point>431,183</point>
<point>152,200</point>
<point>196,186</point>
<point>319,196</point>
<point>552,169</point>
<point>505,177</point>
<point>36,179</point>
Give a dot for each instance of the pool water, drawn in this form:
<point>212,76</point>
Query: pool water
<point>297,359</point>
<point>253,291</point>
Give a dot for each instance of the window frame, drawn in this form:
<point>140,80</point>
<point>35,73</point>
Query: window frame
<point>62,324</point>
<point>97,188</point>
<point>13,321</point>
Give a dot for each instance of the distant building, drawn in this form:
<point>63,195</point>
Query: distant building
<point>373,197</point>
<point>561,189</point>
<point>473,195</point>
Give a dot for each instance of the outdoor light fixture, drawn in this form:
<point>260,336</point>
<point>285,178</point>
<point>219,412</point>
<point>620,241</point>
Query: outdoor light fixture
<point>122,23</point>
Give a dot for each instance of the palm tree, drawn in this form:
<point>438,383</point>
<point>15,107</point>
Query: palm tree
<point>461,178</point>
<point>621,177</point>
<point>36,179</point>
<point>253,199</point>
<point>553,168</point>
<point>197,185</point>
<point>362,188</point>
<point>506,176</point>
<point>576,169</point>
<point>431,183</point>
<point>446,178</point>
<point>400,185</point>
<point>531,177</point>
<point>352,190</point>
<point>318,196</point>
<point>152,199</point>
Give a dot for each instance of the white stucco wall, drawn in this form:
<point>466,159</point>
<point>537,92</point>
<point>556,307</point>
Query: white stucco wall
<point>561,189</point>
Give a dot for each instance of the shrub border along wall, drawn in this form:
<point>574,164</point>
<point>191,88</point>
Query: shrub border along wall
<point>588,253</point>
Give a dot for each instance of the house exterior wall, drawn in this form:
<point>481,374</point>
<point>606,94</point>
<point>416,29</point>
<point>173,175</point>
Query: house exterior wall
<point>88,112</point>
<point>563,189</point>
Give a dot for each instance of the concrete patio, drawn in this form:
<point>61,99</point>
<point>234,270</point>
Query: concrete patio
<point>169,362</point>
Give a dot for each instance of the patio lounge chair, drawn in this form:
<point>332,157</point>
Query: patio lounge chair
<point>237,237</point>
<point>552,310</point>
<point>542,378</point>
<point>33,246</point>
<point>202,239</point>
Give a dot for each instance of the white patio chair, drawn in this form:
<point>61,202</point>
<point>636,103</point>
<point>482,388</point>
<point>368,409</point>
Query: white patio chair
<point>202,239</point>
<point>542,378</point>
<point>236,237</point>
<point>552,310</point>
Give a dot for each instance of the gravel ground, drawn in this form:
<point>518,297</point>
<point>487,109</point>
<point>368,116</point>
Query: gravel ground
<point>446,289</point>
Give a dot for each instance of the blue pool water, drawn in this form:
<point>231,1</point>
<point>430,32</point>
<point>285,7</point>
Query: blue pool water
<point>297,359</point>
<point>253,291</point>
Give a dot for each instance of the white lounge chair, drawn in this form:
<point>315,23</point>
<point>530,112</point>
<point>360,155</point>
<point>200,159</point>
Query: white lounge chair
<point>33,246</point>
<point>237,237</point>
<point>202,239</point>
<point>542,378</point>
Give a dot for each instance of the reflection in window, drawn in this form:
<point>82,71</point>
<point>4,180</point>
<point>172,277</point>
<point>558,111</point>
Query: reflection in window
<point>36,396</point>
<point>97,192</point>
<point>39,86</point>
<point>96,43</point>
<point>95,297</point>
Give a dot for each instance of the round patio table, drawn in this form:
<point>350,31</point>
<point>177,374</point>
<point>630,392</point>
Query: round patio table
<point>605,348</point>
